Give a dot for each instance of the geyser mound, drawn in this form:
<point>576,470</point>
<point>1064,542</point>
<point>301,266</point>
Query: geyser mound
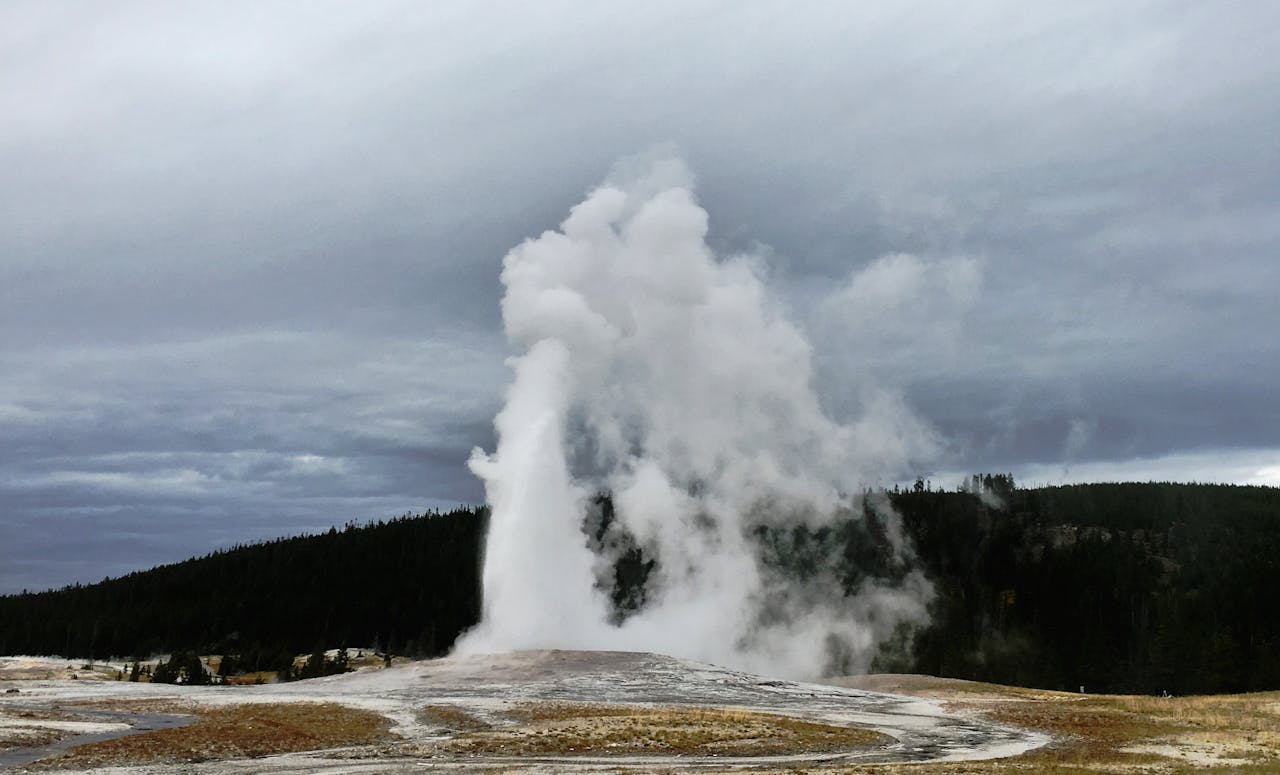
<point>671,379</point>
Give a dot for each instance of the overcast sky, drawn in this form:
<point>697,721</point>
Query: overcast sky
<point>249,252</point>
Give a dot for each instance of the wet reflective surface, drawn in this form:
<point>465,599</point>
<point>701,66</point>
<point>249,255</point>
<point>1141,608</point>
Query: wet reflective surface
<point>130,723</point>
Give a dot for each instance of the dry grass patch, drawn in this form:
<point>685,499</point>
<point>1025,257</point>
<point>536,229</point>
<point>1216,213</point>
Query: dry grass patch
<point>39,714</point>
<point>452,718</point>
<point>1107,733</point>
<point>173,705</point>
<point>534,712</point>
<point>27,737</point>
<point>1090,732</point>
<point>1199,732</point>
<point>943,688</point>
<point>1096,734</point>
<point>252,679</point>
<point>234,732</point>
<point>557,729</point>
<point>27,731</point>
<point>1256,717</point>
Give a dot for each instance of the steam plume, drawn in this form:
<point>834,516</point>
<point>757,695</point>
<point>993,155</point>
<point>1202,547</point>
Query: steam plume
<point>651,369</point>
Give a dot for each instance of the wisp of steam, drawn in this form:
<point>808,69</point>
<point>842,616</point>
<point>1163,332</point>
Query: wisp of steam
<point>669,379</point>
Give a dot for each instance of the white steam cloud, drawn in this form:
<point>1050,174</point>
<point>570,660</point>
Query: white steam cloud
<point>669,377</point>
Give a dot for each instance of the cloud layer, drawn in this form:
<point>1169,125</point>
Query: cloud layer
<point>249,255</point>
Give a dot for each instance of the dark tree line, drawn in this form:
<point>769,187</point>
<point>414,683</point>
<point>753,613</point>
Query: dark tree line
<point>1137,588</point>
<point>409,585</point>
<point>1115,587</point>
<point>181,667</point>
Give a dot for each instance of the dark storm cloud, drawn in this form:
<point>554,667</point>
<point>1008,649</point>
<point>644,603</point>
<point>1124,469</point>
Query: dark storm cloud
<point>249,253</point>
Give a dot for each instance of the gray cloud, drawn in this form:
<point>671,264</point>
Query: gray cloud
<point>239,244</point>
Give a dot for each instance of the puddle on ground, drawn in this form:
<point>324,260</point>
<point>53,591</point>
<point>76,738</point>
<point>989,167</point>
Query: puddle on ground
<point>138,723</point>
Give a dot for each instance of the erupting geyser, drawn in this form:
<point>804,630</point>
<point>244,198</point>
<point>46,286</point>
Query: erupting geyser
<point>651,369</point>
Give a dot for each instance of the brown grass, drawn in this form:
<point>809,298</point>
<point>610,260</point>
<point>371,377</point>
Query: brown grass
<point>570,729</point>
<point>234,732</point>
<point>533,712</point>
<point>452,718</point>
<point>1087,732</point>
<point>173,705</point>
<point>1126,730</point>
<point>1093,733</point>
<point>28,737</point>
<point>1108,734</point>
<point>36,714</point>
<point>945,688</point>
<point>252,679</point>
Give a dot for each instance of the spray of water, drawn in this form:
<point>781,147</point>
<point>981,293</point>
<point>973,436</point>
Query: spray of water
<point>653,370</point>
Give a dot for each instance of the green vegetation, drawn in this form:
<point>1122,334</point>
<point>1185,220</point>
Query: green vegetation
<point>182,667</point>
<point>407,585</point>
<point>1136,588</point>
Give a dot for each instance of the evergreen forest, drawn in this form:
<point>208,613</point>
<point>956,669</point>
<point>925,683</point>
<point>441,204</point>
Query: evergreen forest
<point>408,586</point>
<point>1141,588</point>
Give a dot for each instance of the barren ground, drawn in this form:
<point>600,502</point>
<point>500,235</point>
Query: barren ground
<point>557,711</point>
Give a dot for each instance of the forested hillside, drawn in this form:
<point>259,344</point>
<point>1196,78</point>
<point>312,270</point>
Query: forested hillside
<point>1114,587</point>
<point>409,585</point>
